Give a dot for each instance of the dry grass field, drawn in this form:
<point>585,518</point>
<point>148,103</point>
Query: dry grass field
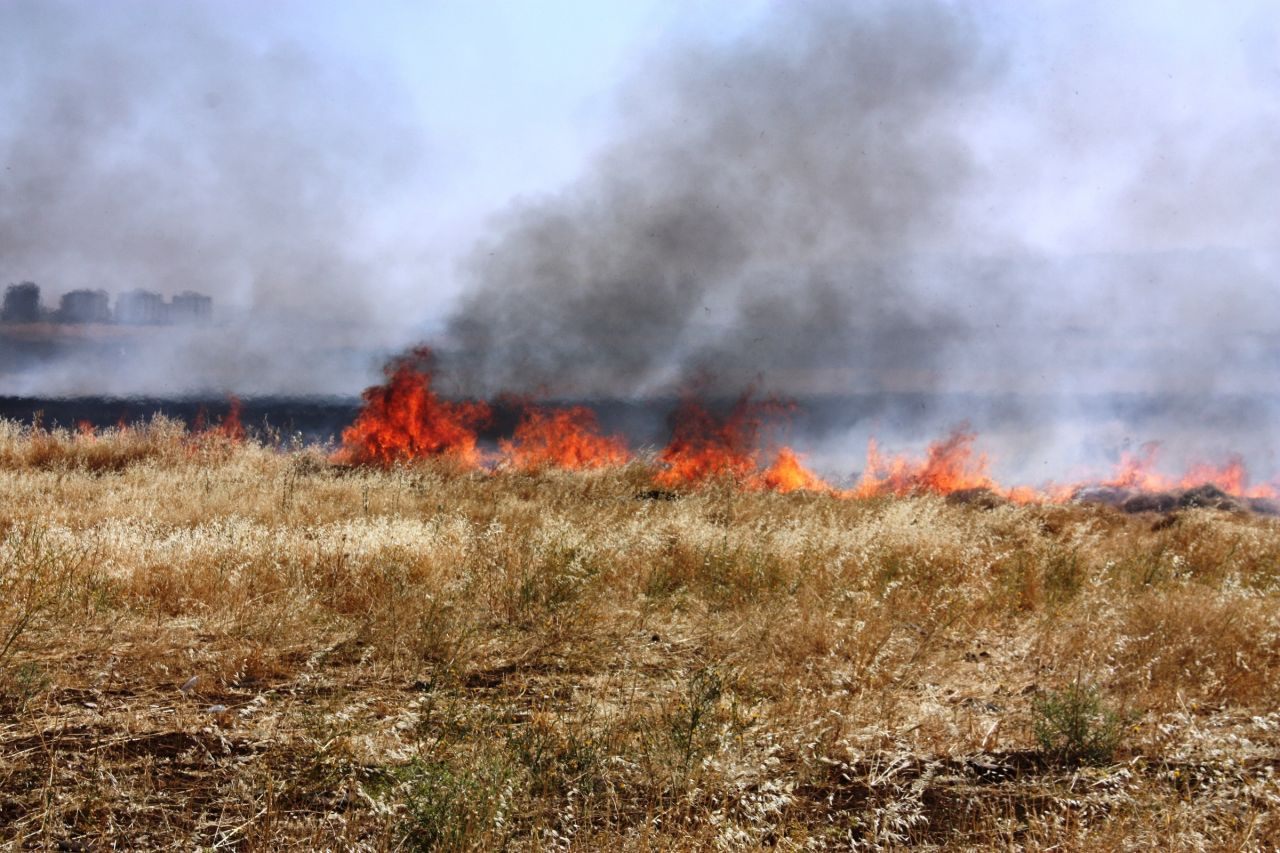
<point>206,643</point>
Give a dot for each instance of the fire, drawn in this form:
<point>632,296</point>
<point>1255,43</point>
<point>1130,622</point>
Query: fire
<point>403,419</point>
<point>788,474</point>
<point>949,466</point>
<point>1231,476</point>
<point>952,465</point>
<point>231,428</point>
<point>1137,472</point>
<point>705,446</point>
<point>562,438</point>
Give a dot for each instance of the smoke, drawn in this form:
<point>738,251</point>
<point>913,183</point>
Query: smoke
<point>154,146</point>
<point>756,214</point>
<point>1024,214</point>
<point>1056,220</point>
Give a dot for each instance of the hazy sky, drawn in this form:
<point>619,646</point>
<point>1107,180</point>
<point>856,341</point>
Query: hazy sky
<point>498,100</point>
<point>488,101</point>
<point>511,97</point>
<point>355,163</point>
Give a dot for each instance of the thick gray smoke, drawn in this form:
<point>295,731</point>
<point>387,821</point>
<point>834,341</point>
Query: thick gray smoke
<point>1030,214</point>
<point>151,146</point>
<point>757,216</point>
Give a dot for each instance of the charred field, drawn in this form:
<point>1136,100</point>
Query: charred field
<point>206,640</point>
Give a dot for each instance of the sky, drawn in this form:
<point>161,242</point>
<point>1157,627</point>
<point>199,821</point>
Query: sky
<point>510,98</point>
<point>384,172</point>
<point>488,101</point>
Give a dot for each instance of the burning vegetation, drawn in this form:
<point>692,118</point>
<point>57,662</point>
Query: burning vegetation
<point>404,420</point>
<point>267,650</point>
<point>567,438</point>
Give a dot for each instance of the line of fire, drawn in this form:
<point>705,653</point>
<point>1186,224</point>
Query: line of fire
<point>406,420</point>
<point>706,439</point>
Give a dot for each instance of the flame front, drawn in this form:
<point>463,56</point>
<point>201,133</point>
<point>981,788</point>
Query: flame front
<point>562,438</point>
<point>788,474</point>
<point>1137,472</point>
<point>706,446</point>
<point>403,420</point>
<point>949,466</point>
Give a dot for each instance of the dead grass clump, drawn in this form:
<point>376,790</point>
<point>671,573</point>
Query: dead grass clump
<point>106,452</point>
<point>1188,646</point>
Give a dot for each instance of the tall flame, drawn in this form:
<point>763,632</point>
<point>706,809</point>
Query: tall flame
<point>788,474</point>
<point>705,445</point>
<point>231,427</point>
<point>403,419</point>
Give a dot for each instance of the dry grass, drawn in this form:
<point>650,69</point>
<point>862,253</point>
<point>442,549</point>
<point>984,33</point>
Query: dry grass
<point>430,657</point>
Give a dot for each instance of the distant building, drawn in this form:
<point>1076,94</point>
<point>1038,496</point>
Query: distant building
<point>132,308</point>
<point>21,303</point>
<point>191,308</point>
<point>141,308</point>
<point>85,306</point>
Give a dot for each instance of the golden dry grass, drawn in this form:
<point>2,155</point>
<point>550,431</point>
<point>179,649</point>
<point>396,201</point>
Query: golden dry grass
<point>433,657</point>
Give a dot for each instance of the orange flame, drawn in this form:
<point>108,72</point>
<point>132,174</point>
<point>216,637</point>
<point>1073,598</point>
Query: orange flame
<point>788,474</point>
<point>403,419</point>
<point>231,428</point>
<point>1231,476</point>
<point>704,445</point>
<point>562,438</point>
<point>1138,471</point>
<point>949,466</point>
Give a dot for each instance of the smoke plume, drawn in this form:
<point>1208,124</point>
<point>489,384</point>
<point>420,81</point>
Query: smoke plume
<point>1027,216</point>
<point>757,214</point>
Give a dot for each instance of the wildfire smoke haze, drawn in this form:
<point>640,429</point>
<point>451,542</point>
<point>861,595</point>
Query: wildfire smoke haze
<point>842,200</point>
<point>717,425</point>
<point>1024,218</point>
